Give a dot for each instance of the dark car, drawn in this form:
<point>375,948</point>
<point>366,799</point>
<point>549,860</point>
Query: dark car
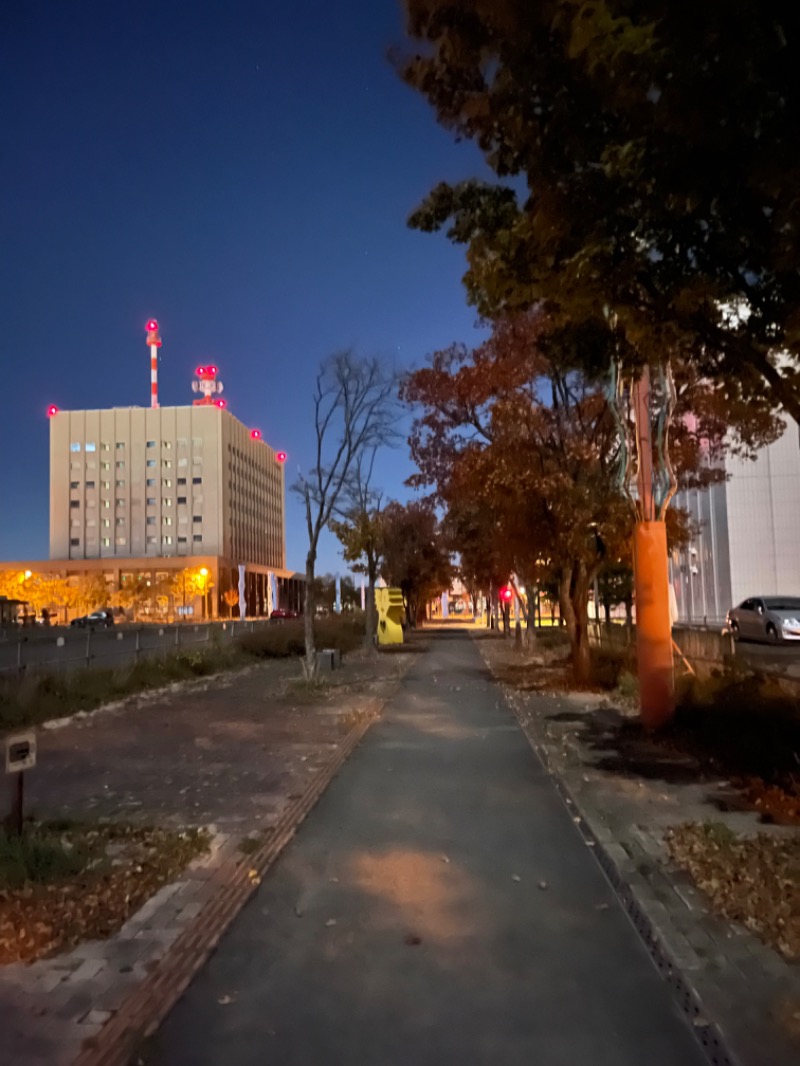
<point>96,618</point>
<point>280,614</point>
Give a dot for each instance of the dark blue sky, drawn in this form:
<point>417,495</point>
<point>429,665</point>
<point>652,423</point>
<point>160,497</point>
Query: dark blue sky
<point>242,171</point>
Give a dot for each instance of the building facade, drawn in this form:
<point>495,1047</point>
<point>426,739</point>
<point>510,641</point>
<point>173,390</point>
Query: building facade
<point>745,534</point>
<point>165,482</point>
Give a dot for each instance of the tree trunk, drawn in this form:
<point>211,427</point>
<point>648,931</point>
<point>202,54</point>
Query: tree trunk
<point>310,660</point>
<point>581,651</point>
<point>370,622</point>
<point>607,610</point>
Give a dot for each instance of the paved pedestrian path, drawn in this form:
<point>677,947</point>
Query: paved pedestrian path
<point>438,907</point>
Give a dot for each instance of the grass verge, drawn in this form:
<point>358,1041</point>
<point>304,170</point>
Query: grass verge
<point>63,883</point>
<point>39,697</point>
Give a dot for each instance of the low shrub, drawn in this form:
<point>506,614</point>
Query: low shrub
<point>39,856</point>
<point>284,639</point>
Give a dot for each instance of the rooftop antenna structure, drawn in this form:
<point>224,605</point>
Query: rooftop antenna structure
<point>209,388</point>
<point>154,343</point>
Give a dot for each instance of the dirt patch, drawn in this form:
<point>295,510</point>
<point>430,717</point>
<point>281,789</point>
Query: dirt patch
<point>751,880</point>
<point>63,884</point>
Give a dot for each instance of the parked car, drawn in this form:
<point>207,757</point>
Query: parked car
<point>96,618</point>
<point>282,613</point>
<point>767,618</point>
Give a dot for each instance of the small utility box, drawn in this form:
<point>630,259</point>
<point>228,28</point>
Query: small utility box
<point>20,752</point>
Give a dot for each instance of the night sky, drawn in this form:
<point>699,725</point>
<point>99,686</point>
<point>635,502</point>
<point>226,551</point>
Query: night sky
<point>242,171</point>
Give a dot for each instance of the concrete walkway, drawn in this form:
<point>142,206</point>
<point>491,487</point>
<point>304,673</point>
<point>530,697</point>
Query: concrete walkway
<point>438,907</point>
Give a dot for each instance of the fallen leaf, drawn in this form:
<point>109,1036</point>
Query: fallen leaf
<point>331,921</point>
<point>225,1000</point>
<point>413,940</point>
<point>543,885</point>
<point>515,877</point>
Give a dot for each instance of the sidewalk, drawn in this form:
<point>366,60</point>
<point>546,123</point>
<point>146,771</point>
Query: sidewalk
<point>440,906</point>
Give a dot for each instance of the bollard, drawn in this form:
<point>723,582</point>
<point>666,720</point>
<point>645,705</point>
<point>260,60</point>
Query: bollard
<point>138,649</point>
<point>88,647</point>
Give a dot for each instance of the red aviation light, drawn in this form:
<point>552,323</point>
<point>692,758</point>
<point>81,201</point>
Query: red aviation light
<point>201,370</point>
<point>221,404</point>
<point>52,410</point>
<point>255,434</point>
<point>152,326</point>
<point>212,370</point>
<point>280,457</point>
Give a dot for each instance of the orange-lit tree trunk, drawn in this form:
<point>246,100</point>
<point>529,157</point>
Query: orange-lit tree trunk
<point>651,578</point>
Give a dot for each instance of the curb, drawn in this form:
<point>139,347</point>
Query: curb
<point>706,1031</point>
<point>154,998</point>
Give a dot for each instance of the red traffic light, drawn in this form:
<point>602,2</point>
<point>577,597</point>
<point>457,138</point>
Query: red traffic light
<point>255,434</point>
<point>52,410</point>
<point>506,593</point>
<point>280,457</point>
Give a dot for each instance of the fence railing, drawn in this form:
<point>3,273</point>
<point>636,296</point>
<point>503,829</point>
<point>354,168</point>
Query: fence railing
<point>75,649</point>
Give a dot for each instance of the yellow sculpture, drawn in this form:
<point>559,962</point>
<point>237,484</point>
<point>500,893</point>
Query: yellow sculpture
<point>391,615</point>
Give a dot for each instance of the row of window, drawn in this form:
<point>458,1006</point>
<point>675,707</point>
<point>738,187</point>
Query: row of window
<point>120,483</point>
<point>119,446</point>
<point>75,542</point>
<point>151,521</point>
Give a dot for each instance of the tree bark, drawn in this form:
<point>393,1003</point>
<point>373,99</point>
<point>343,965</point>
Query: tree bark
<point>310,661</point>
<point>573,597</point>
<point>370,621</point>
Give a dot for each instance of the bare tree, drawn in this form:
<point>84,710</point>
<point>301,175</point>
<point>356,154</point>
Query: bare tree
<point>353,406</point>
<point>361,533</point>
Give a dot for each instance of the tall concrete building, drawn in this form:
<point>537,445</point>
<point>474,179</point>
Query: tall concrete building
<point>164,482</point>
<point>746,530</point>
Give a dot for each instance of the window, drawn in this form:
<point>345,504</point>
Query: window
<point>120,521</point>
<point>120,464</point>
<point>106,542</point>
<point>181,499</point>
<point>75,542</point>
<point>106,522</point>
<point>150,462</point>
<point>106,503</point>
<point>151,520</point>
<point>74,484</point>
<point>167,502</point>
<point>120,445</point>
<point>183,462</point>
<point>119,502</point>
<point>151,444</point>
<point>167,521</point>
<point>104,447</point>
<point>152,540</point>
<point>91,446</point>
<point>197,481</point>
<point>105,484</point>
<point>181,540</point>
<point>151,501</point>
<point>197,538</point>
<point>197,461</point>
<point>120,484</point>
<point>167,540</point>
<point>89,484</point>
<point>75,446</point>
<point>121,540</point>
<point>181,442</point>
<point>74,503</point>
<point>166,444</point>
<point>151,481</point>
<point>181,480</point>
<point>167,464</point>
<point>197,518</point>
<point>105,466</point>
<point>167,483</point>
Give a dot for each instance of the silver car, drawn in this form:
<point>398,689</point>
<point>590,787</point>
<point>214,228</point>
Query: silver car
<point>769,618</point>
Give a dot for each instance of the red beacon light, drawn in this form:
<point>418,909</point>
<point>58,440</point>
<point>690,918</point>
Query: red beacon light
<point>52,410</point>
<point>151,326</point>
<point>255,434</point>
<point>506,594</point>
<point>280,457</point>
<point>221,404</point>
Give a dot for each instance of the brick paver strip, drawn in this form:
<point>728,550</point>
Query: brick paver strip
<point>151,1001</point>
